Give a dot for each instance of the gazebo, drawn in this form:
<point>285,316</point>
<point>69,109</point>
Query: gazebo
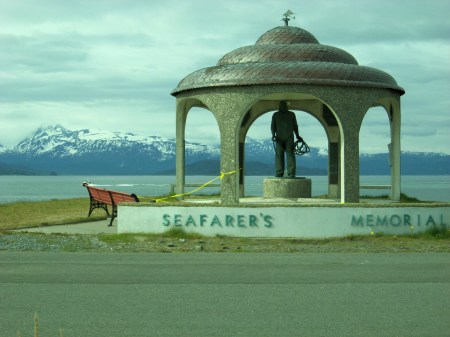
<point>288,63</point>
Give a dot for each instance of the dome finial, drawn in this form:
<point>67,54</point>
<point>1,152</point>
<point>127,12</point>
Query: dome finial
<point>287,15</point>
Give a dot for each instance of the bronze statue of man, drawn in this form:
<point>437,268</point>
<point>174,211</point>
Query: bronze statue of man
<point>284,126</point>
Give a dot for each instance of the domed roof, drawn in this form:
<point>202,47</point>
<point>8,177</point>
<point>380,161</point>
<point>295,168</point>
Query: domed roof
<point>286,35</point>
<point>287,55</point>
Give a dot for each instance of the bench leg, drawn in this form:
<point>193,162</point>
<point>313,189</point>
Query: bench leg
<point>96,204</point>
<point>114,215</point>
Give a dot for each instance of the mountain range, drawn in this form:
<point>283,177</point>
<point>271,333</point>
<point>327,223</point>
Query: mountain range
<point>57,150</point>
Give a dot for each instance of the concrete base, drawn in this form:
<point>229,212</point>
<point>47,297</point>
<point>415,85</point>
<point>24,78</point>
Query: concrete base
<point>290,219</point>
<point>287,188</point>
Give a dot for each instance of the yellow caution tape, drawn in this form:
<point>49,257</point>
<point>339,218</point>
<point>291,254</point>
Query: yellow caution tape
<point>222,175</point>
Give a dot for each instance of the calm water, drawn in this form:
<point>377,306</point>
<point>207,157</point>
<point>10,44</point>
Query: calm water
<point>26,188</point>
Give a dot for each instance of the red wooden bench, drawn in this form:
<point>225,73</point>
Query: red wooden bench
<point>101,198</point>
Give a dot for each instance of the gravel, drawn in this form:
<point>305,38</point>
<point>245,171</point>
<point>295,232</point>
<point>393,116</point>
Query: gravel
<point>46,242</point>
<point>15,241</point>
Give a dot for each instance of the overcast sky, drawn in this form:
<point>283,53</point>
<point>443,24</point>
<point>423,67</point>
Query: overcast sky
<point>111,64</point>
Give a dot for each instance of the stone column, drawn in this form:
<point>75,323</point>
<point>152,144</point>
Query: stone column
<point>229,107</point>
<point>349,166</point>
<point>180,148</point>
<point>332,130</point>
<point>229,163</point>
<point>333,169</point>
<point>395,153</point>
<point>241,164</point>
<point>350,107</point>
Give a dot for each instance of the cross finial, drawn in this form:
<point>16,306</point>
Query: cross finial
<point>287,16</point>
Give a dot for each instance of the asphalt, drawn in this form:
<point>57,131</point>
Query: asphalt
<point>216,294</point>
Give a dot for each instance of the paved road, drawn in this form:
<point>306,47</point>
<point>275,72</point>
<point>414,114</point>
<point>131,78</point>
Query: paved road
<point>225,294</point>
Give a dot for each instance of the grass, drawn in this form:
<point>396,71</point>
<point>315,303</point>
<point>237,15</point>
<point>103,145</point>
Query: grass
<point>36,328</point>
<point>180,233</point>
<point>438,232</point>
<point>46,213</point>
<point>403,198</point>
<point>172,233</point>
<point>407,198</point>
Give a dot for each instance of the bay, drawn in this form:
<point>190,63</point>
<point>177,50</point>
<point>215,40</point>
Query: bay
<point>36,188</point>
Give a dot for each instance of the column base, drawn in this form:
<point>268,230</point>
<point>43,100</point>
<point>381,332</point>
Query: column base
<point>287,188</point>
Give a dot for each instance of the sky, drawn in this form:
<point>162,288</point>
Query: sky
<point>111,64</point>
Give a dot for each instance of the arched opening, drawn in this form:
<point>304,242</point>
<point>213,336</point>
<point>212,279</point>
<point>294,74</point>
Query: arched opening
<point>202,150</point>
<point>259,153</point>
<point>374,158</point>
<point>202,127</point>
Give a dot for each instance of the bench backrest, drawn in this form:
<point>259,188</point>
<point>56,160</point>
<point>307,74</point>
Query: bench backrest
<point>110,197</point>
<point>119,197</point>
<point>100,194</point>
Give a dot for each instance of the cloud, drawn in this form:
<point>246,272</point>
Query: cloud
<point>113,63</point>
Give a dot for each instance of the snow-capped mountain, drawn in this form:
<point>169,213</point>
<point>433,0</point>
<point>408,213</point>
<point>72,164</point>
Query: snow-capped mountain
<point>56,148</point>
<point>56,141</point>
<point>78,152</point>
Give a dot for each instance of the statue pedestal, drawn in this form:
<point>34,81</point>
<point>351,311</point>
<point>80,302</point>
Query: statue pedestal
<point>287,188</point>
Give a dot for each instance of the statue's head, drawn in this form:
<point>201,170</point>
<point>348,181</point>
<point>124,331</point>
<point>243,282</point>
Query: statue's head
<point>283,106</point>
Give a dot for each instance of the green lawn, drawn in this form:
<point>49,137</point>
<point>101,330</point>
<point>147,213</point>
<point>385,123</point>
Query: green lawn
<point>47,213</point>
<point>43,213</point>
